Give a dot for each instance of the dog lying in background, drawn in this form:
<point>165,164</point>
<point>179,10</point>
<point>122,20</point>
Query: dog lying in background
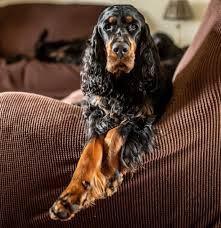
<point>170,54</point>
<point>59,51</point>
<point>126,92</point>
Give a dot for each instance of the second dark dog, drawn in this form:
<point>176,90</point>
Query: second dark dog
<point>61,51</point>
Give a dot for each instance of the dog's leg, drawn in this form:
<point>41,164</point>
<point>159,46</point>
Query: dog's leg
<point>87,184</point>
<point>98,175</point>
<point>111,166</point>
<point>138,140</point>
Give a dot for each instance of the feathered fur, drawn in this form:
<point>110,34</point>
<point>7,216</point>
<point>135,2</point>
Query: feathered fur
<point>132,101</point>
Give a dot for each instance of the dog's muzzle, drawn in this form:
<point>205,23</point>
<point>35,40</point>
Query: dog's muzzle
<point>120,54</point>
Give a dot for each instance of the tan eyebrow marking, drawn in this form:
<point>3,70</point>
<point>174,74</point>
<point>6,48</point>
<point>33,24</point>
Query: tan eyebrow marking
<point>129,19</point>
<point>112,19</point>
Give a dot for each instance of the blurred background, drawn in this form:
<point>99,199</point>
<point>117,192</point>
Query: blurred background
<point>42,41</point>
<point>153,10</point>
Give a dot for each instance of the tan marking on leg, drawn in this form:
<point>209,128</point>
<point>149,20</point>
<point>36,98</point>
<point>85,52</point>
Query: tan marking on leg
<point>112,146</point>
<point>87,183</point>
<point>111,167</point>
<point>94,178</point>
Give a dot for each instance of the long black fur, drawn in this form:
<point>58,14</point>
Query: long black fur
<point>123,97</point>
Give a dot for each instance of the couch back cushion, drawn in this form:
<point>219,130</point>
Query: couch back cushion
<point>21,25</point>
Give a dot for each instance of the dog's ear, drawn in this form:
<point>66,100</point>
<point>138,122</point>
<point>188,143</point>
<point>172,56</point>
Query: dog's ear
<point>93,70</point>
<point>157,82</point>
<point>149,59</point>
<point>96,43</point>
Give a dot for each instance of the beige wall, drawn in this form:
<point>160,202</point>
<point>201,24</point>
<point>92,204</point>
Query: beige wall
<point>153,12</point>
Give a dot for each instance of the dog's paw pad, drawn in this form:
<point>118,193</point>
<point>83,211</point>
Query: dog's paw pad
<point>63,209</point>
<point>78,195</point>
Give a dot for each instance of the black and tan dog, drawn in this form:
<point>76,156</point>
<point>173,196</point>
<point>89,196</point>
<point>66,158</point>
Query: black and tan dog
<point>126,91</point>
<point>61,51</point>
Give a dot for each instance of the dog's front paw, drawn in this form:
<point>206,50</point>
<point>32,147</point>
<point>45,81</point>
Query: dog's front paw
<point>113,183</point>
<point>87,184</point>
<point>76,197</point>
<point>64,209</point>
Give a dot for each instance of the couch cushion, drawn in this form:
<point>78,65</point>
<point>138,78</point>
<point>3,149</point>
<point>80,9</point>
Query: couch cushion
<point>49,79</point>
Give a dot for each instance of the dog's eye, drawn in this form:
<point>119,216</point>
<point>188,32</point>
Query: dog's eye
<point>108,27</point>
<point>132,27</point>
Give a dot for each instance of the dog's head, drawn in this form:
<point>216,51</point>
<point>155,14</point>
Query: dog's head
<point>120,28</point>
<point>120,43</point>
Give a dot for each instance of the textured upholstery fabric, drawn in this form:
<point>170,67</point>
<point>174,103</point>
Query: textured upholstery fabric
<point>179,184</point>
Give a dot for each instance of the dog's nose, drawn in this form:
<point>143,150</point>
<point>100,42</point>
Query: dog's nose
<point>120,49</point>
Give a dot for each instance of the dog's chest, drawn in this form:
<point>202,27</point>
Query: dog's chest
<point>122,108</point>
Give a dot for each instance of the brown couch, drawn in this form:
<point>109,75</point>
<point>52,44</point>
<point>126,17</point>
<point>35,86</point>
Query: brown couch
<point>20,28</point>
<point>179,184</point>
